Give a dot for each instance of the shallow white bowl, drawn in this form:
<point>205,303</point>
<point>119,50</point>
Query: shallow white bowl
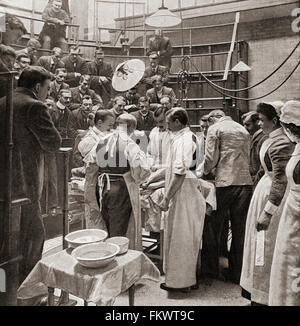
<point>122,242</point>
<point>96,255</point>
<point>83,237</point>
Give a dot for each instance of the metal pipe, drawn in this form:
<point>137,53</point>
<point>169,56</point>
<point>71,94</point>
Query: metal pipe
<point>65,154</point>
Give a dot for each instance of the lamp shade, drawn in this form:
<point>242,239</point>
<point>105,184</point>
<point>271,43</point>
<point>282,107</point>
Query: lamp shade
<point>240,67</point>
<point>163,18</point>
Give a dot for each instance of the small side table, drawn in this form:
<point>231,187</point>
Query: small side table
<point>99,286</point>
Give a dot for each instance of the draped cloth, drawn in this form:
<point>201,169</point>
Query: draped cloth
<point>99,286</point>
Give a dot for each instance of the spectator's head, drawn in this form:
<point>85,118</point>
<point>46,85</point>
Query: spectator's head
<point>269,118</point>
<point>99,56</point>
<point>158,33</point>
<point>15,29</point>
<point>37,79</point>
<point>33,45</point>
<point>87,104</point>
<point>251,122</point>
<point>215,116</point>
<point>23,61</point>
<point>104,120</point>
<point>127,122</point>
<point>144,106</point>
<point>49,102</point>
<point>85,81</point>
<point>119,104</point>
<point>166,102</point>
<point>177,119</point>
<point>204,124</point>
<point>8,56</point>
<point>56,5</point>
<point>160,118</point>
<point>57,54</point>
<point>153,60</point>
<point>158,83</point>
<point>74,53</point>
<point>65,97</point>
<point>60,75</point>
<point>290,120</point>
<point>131,93</point>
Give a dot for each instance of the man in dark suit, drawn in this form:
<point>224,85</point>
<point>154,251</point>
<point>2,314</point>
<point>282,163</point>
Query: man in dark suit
<point>33,135</point>
<point>58,84</point>
<point>251,123</point>
<point>61,114</point>
<point>7,61</point>
<point>75,66</point>
<point>22,62</point>
<point>52,62</point>
<point>118,108</point>
<point>31,50</point>
<point>54,30</point>
<point>158,91</point>
<point>144,117</point>
<point>101,76</point>
<point>14,30</point>
<point>162,46</point>
<point>82,90</point>
<point>80,116</point>
<point>154,70</point>
<point>132,100</point>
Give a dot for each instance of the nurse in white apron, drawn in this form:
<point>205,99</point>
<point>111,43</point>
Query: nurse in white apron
<point>285,271</point>
<point>265,208</point>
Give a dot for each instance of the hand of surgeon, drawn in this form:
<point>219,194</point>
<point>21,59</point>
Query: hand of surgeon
<point>263,222</point>
<point>164,204</point>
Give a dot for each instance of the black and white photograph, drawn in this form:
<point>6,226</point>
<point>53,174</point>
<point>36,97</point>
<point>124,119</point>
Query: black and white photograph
<point>149,155</point>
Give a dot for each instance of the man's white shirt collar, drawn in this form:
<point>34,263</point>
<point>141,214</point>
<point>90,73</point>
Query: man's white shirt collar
<point>60,106</point>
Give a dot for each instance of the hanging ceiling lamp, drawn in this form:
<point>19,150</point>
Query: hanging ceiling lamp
<point>163,18</point>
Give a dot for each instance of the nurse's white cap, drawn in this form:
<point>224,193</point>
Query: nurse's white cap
<point>290,113</point>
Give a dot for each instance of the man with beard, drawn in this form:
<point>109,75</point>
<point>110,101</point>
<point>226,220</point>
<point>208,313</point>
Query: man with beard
<point>101,76</point>
<point>251,123</point>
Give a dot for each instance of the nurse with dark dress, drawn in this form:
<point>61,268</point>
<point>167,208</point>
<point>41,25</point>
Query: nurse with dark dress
<point>285,270</point>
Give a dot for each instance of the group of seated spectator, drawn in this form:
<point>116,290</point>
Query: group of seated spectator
<point>79,89</point>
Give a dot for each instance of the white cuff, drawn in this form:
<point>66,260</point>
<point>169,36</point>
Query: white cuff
<point>270,208</point>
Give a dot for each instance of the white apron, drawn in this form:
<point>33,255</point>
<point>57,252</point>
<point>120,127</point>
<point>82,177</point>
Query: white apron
<point>257,205</point>
<point>259,246</point>
<point>183,231</point>
<point>285,271</point>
